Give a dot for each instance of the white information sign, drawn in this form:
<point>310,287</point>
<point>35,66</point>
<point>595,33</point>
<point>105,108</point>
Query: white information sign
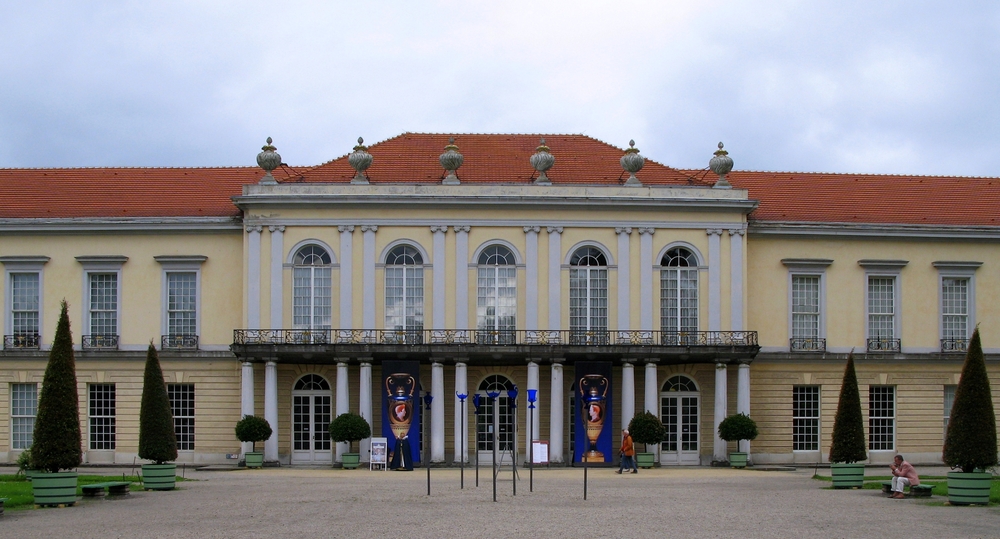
<point>380,454</point>
<point>540,452</point>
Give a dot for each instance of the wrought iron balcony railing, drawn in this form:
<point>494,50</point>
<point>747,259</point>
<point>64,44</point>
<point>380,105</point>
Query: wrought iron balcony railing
<point>21,341</point>
<point>179,342</point>
<point>244,337</point>
<point>955,345</point>
<point>100,342</point>
<point>883,345</point>
<point>809,344</point>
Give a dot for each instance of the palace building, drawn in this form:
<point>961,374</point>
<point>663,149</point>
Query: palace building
<point>432,282</point>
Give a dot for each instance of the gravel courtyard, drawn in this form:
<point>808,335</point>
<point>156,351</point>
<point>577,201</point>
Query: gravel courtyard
<point>689,502</point>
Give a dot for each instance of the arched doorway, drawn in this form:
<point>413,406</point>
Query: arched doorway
<point>311,415</point>
<point>504,420</point>
<point>679,411</point>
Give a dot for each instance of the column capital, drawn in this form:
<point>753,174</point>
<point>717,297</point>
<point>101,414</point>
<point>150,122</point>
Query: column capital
<point>439,229</point>
<point>365,360</point>
<point>254,228</point>
<point>342,361</point>
<point>369,228</point>
<point>530,229</point>
<point>737,231</point>
<point>651,360</point>
<point>462,228</point>
<point>531,360</point>
<point>558,360</point>
<point>623,230</point>
<point>271,363</point>
<point>720,366</point>
<point>345,228</point>
<point>460,360</point>
<point>276,228</point>
<point>437,363</point>
<point>554,229</point>
<point>647,230</point>
<point>713,231</point>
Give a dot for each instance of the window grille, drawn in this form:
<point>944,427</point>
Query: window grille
<point>23,409</point>
<point>102,416</point>
<point>805,418</point>
<point>881,418</point>
<point>182,406</point>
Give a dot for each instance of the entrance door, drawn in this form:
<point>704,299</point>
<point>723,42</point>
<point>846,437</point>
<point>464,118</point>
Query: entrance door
<point>311,415</point>
<point>500,416</point>
<point>679,411</point>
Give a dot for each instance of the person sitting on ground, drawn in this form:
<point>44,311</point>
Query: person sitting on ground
<point>902,474</point>
<point>627,453</point>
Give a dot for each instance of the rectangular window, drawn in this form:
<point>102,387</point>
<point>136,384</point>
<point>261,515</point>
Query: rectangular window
<point>949,401</point>
<point>496,304</point>
<point>588,305</point>
<point>805,308</point>
<point>23,408</point>
<point>102,416</point>
<point>182,303</point>
<point>182,406</point>
<point>679,301</point>
<point>104,304</point>
<point>24,305</point>
<point>805,418</point>
<point>955,309</point>
<point>881,308</point>
<point>881,418</point>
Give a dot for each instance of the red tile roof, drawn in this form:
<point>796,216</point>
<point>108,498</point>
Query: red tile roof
<point>413,158</point>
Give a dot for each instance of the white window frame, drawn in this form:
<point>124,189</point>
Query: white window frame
<point>315,321</point>
<point>958,270</point>
<point>893,418</point>
<point>885,269</point>
<point>817,418</point>
<point>15,418</point>
<point>590,274</point>
<point>409,272</point>
<point>696,269</point>
<point>23,264</point>
<point>180,264</point>
<point>807,267</point>
<point>948,402</point>
<point>185,421</point>
<point>497,331</point>
<point>101,265</point>
<point>91,417</point>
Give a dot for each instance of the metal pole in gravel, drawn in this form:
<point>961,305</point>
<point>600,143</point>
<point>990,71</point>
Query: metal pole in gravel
<point>462,446</point>
<point>584,459</point>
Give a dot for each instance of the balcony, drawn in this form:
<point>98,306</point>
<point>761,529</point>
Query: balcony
<point>21,341</point>
<point>884,345</point>
<point>799,344</point>
<point>100,342</point>
<point>958,346</point>
<point>495,345</point>
<point>178,342</point>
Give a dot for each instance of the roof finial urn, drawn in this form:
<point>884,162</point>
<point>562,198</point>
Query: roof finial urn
<point>360,160</point>
<point>450,161</point>
<point>721,164</point>
<point>542,160</point>
<point>632,162</point>
<point>268,159</point>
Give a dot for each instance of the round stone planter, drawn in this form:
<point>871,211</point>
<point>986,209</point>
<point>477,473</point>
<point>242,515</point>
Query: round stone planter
<point>968,488</point>
<point>351,460</point>
<point>159,476</point>
<point>255,459</point>
<point>644,460</point>
<point>848,475</point>
<point>54,488</point>
<point>738,460</point>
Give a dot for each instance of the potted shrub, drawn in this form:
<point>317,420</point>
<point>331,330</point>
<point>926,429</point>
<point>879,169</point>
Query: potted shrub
<point>971,442</point>
<point>157,440</point>
<point>736,428</point>
<point>646,429</point>
<point>253,429</point>
<point>847,448</point>
<point>350,428</point>
<point>56,446</point>
<point>24,464</point>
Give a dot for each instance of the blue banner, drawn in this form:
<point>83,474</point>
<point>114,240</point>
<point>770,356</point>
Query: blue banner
<point>401,411</point>
<point>594,400</point>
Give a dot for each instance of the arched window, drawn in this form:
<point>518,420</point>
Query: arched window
<point>311,305</point>
<point>312,382</point>
<point>404,291</point>
<point>679,382</point>
<point>588,297</point>
<point>504,417</point>
<point>496,302</point>
<point>679,296</point>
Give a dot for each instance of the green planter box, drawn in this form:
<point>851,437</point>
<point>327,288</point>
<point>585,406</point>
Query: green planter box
<point>738,460</point>
<point>968,488</point>
<point>159,476</point>
<point>848,475</point>
<point>255,459</point>
<point>351,460</point>
<point>54,488</point>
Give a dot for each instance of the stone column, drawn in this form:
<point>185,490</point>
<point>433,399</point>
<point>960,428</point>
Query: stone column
<point>651,398</point>
<point>246,398</point>
<point>624,273</point>
<point>736,279</point>
<point>253,277</point>
<point>368,277</point>
<point>556,413</point>
<point>343,402</point>
<point>532,416</point>
<point>743,396</point>
<point>719,453</point>
<point>365,403</point>
<point>531,276</point>
<point>555,280</point>
<point>277,283</point>
<point>628,391</point>
<point>646,278</point>
<point>347,279</point>
<point>714,279</point>
<point>437,411</point>
<point>271,409</point>
<point>462,386</point>
<point>438,256</point>
<point>462,278</point>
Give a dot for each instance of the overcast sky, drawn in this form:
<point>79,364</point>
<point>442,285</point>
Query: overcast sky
<point>822,86</point>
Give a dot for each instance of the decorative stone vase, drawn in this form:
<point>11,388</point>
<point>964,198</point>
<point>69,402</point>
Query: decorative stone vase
<point>255,459</point>
<point>967,488</point>
<point>644,460</point>
<point>738,460</point>
<point>351,460</point>
<point>159,476</point>
<point>54,488</point>
<point>848,475</point>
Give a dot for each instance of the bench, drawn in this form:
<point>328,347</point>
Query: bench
<point>2,500</point>
<point>917,491</point>
<point>113,488</point>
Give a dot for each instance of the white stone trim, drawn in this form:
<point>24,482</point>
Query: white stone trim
<point>714,279</point>
<point>365,403</point>
<point>438,281</point>
<point>812,270</point>
<point>461,412</point>
<point>428,261</point>
<point>699,256</point>
<point>180,264</point>
<point>556,414</point>
<point>736,278</point>
<point>531,277</point>
<point>253,276</point>
<point>589,243</point>
<point>100,264</point>
<point>885,268</point>
<point>719,453</point>
<point>277,284</point>
<point>555,290</point>
<point>461,276</point>
<point>23,264</point>
<point>437,411</point>
<point>624,274</point>
<point>290,255</point>
<point>963,270</point>
<point>343,403</point>
<point>646,308</point>
<point>368,276</point>
<point>271,409</point>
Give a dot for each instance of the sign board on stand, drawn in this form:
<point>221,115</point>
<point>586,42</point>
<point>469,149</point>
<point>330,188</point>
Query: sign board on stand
<point>540,451</point>
<point>380,454</point>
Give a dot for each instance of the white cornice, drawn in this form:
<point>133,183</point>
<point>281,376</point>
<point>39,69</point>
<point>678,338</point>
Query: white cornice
<point>519,223</point>
<point>872,231</point>
<point>137,225</point>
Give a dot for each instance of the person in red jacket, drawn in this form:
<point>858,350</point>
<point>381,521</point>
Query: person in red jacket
<point>627,452</point>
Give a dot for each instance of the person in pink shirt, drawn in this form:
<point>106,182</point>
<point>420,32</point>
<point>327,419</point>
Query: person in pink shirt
<point>902,474</point>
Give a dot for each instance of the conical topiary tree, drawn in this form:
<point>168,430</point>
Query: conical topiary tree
<point>971,441</point>
<point>56,440</point>
<point>848,443</point>
<point>157,440</point>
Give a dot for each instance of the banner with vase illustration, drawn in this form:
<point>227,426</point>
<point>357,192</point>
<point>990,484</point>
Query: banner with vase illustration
<point>401,408</point>
<point>593,404</point>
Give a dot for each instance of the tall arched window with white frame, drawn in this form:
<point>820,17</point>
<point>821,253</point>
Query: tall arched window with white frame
<point>496,302</point>
<point>404,292</point>
<point>311,304</point>
<point>679,296</point>
<point>588,297</point>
